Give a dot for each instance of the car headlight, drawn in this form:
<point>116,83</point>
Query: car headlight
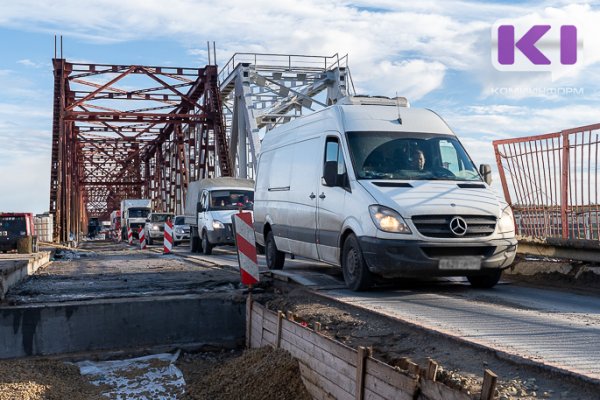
<point>179,230</point>
<point>506,223</point>
<point>218,225</point>
<point>155,227</point>
<point>388,220</point>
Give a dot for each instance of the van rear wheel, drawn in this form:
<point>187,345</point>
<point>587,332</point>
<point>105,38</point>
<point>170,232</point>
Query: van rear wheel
<point>489,280</point>
<point>354,268</point>
<point>275,258</point>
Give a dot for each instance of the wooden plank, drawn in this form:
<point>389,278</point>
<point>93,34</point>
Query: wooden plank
<point>391,375</point>
<point>249,320</point>
<point>270,326</point>
<point>369,395</point>
<point>316,385</point>
<point>268,339</point>
<point>270,315</point>
<point>432,368</point>
<point>256,337</point>
<point>257,321</point>
<point>361,356</point>
<point>279,323</point>
<point>322,355</point>
<point>431,390</point>
<point>489,385</point>
<point>338,349</point>
<point>341,386</point>
<point>385,389</point>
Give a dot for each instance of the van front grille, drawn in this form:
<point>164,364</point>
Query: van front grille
<point>438,226</point>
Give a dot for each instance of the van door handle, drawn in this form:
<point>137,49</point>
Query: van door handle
<point>322,196</point>
<point>312,196</point>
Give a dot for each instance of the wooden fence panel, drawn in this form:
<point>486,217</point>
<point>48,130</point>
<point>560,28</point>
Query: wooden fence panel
<point>329,368</point>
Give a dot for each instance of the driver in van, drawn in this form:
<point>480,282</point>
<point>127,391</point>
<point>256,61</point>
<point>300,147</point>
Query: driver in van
<point>418,160</point>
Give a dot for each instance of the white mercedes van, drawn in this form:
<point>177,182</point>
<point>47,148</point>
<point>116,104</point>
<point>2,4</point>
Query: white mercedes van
<point>380,189</point>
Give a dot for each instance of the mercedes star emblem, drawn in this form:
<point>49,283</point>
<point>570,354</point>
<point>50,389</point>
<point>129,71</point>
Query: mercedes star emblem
<point>458,226</point>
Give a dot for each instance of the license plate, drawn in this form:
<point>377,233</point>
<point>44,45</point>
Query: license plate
<point>460,263</point>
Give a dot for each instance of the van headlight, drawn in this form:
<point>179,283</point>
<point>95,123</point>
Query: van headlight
<point>506,223</point>
<point>155,227</point>
<point>388,220</point>
<point>218,225</point>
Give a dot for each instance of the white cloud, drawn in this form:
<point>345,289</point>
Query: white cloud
<point>412,79</point>
<point>28,63</point>
<point>25,184</point>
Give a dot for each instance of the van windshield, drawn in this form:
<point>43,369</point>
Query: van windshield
<point>409,156</point>
<point>138,212</point>
<point>160,217</point>
<point>231,199</point>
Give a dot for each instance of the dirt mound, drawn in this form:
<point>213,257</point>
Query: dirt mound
<point>259,374</point>
<point>43,379</point>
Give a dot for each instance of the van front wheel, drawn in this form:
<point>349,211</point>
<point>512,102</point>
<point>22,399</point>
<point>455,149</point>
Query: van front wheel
<point>486,281</point>
<point>354,268</point>
<point>275,258</point>
<point>206,245</point>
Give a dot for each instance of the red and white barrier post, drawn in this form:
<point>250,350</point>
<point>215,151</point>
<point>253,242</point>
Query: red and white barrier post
<point>129,236</point>
<point>246,248</point>
<point>142,237</point>
<point>168,238</point>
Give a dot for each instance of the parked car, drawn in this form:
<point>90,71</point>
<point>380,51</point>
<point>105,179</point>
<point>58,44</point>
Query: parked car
<point>380,189</point>
<point>209,205</point>
<point>154,227</point>
<point>181,230</point>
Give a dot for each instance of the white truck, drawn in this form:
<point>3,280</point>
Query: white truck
<point>209,205</point>
<point>133,215</point>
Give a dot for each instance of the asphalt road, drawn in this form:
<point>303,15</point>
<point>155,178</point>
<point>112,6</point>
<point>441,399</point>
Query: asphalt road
<point>555,328</point>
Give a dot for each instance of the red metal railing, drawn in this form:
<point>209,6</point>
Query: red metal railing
<point>551,182</point>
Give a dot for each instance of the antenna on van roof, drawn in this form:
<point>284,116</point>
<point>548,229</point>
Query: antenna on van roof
<point>398,108</point>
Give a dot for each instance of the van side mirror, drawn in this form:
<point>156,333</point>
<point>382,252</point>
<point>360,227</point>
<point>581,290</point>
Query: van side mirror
<point>330,174</point>
<point>199,208</point>
<point>486,172</point>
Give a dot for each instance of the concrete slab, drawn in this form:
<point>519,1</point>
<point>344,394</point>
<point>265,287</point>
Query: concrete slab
<point>115,298</point>
<point>116,324</point>
<point>15,267</point>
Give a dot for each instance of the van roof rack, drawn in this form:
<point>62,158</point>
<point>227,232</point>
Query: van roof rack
<point>374,101</point>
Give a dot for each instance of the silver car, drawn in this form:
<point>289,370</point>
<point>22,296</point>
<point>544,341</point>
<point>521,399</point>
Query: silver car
<point>155,226</point>
<point>181,230</point>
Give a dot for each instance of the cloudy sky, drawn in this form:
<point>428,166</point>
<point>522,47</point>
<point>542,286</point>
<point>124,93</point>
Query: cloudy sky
<point>436,53</point>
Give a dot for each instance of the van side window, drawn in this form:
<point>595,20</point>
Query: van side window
<point>333,152</point>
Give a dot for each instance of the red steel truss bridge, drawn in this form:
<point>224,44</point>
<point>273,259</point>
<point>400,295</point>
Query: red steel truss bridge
<point>131,131</point>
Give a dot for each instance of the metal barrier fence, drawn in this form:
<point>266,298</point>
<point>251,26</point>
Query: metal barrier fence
<point>551,182</point>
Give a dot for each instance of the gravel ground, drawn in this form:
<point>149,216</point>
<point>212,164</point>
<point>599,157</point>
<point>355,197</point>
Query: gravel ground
<point>256,374</point>
<point>44,379</point>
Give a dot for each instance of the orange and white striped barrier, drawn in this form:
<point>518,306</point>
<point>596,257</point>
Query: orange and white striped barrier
<point>142,237</point>
<point>129,236</point>
<point>168,238</point>
<point>246,248</point>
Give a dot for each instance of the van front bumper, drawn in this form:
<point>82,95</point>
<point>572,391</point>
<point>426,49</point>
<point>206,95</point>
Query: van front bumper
<point>391,258</point>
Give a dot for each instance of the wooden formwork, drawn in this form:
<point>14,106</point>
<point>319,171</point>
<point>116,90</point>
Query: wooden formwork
<point>332,370</point>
